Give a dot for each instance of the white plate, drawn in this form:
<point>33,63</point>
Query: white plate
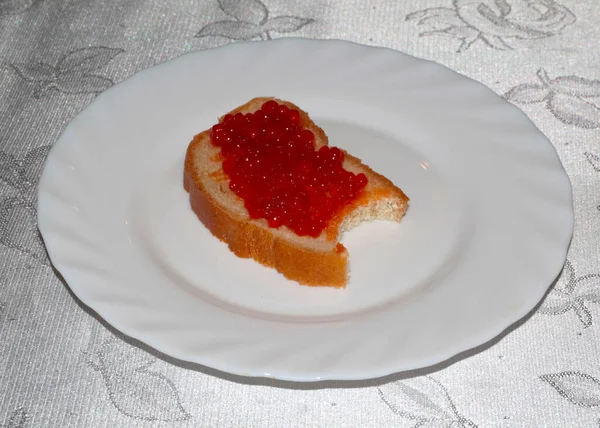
<point>486,233</point>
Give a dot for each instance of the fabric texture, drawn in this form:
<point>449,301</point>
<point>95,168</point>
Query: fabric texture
<point>62,366</point>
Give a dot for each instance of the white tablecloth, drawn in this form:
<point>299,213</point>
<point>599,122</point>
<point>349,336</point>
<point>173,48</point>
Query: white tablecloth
<point>61,366</point>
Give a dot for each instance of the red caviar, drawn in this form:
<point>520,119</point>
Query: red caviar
<point>273,166</point>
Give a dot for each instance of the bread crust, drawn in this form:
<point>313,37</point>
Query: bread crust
<point>249,238</point>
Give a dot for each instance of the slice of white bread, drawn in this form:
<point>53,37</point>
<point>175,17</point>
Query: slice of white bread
<point>320,261</point>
